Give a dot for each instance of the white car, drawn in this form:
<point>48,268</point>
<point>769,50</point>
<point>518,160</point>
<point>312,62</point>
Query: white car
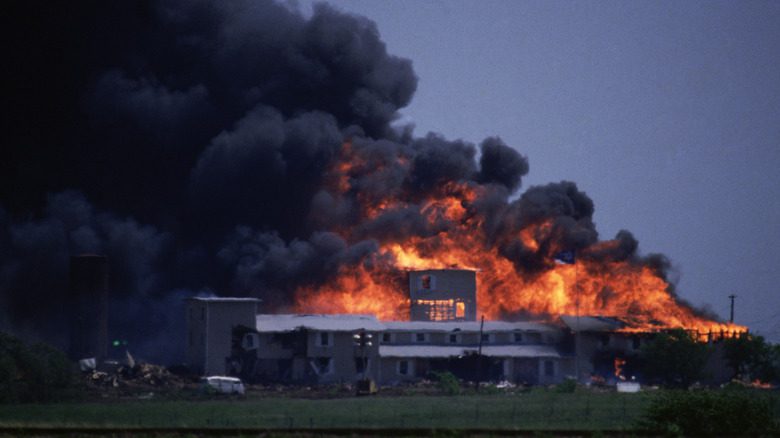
<point>224,384</point>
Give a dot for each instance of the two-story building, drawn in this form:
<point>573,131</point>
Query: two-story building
<point>307,348</point>
<point>523,352</point>
<point>344,348</point>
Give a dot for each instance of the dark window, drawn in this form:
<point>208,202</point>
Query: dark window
<point>485,337</point>
<point>635,342</point>
<point>419,337</point>
<point>518,337</point>
<point>202,313</point>
<point>324,339</point>
<point>549,368</point>
<point>250,341</point>
<point>425,281</point>
<point>386,337</point>
<point>605,339</point>
<point>403,368</point>
<point>453,339</point>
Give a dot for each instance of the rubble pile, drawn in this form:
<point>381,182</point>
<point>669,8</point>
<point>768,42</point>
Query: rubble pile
<point>140,376</point>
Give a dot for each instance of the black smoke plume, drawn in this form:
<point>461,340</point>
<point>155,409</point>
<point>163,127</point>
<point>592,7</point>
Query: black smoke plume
<point>190,142</point>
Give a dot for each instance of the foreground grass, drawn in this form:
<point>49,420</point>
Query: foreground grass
<point>536,410</point>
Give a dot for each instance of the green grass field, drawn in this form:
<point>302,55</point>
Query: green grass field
<point>536,410</point>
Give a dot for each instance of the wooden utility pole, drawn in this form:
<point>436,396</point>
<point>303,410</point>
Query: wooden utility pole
<point>479,352</point>
<point>577,330</point>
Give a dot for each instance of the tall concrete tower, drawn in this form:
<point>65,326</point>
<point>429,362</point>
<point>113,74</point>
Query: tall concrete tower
<point>443,295</point>
<point>89,306</point>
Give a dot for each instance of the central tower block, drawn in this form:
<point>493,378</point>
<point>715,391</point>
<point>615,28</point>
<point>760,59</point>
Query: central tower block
<point>443,295</point>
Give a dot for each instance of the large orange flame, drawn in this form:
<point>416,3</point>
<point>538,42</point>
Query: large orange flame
<point>626,290</point>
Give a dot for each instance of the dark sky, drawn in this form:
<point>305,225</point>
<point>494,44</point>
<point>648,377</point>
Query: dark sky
<point>666,113</point>
<point>192,142</point>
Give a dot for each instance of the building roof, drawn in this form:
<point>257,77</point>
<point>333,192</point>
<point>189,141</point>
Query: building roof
<point>443,351</point>
<point>225,299</point>
<point>445,269</point>
<point>592,323</point>
<point>333,323</point>
<point>465,326</point>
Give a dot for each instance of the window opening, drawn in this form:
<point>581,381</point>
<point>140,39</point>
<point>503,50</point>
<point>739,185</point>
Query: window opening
<point>460,309</point>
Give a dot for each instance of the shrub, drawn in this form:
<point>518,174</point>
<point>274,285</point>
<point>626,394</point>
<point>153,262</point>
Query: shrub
<point>567,386</point>
<point>709,413</point>
<point>447,382</point>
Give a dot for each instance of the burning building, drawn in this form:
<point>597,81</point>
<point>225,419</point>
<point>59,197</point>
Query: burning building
<point>441,334</point>
<point>443,295</point>
<point>315,349</point>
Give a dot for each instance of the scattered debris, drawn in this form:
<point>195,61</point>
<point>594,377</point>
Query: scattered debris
<point>140,377</point>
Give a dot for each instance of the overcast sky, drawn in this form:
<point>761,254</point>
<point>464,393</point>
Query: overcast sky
<point>666,113</point>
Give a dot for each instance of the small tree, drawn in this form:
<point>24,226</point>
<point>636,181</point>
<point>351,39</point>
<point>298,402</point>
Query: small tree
<point>752,357</point>
<point>674,358</point>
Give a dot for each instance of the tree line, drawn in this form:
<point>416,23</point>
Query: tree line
<point>675,359</point>
<point>34,372</point>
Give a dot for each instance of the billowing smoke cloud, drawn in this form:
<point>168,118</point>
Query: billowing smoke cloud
<point>263,264</point>
<point>193,143</point>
